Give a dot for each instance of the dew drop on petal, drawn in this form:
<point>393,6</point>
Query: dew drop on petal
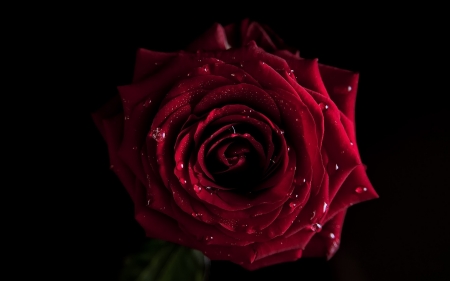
<point>158,135</point>
<point>292,204</point>
<point>316,227</point>
<point>349,88</point>
<point>323,106</point>
<point>180,165</point>
<point>183,181</point>
<point>325,206</point>
<point>337,167</point>
<point>360,189</point>
<point>147,103</point>
<point>351,143</point>
<point>197,188</point>
<point>332,236</point>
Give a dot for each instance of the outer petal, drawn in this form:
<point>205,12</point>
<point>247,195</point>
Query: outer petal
<point>326,242</point>
<point>213,39</point>
<point>341,85</point>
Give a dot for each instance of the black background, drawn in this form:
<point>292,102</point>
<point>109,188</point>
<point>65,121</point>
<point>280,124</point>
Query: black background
<point>401,121</point>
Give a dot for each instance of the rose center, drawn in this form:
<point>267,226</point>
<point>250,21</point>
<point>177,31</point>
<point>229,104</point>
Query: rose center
<point>235,163</point>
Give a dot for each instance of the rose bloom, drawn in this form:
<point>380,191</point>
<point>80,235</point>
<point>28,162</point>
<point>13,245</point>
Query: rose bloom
<point>238,147</point>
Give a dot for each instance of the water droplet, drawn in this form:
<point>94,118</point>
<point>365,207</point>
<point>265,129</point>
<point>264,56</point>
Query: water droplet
<point>208,187</point>
<point>147,103</point>
<point>351,143</point>
<point>313,215</point>
<point>158,135</point>
<point>183,181</point>
<point>332,236</point>
<point>180,165</point>
<point>232,74</point>
<point>281,132</point>
<point>134,147</point>
<point>360,189</point>
<point>296,119</point>
<point>325,206</point>
<point>149,202</point>
<point>323,106</point>
<point>288,148</point>
<point>337,167</point>
<point>292,204</point>
<point>349,88</point>
<point>194,214</point>
<point>127,117</point>
<point>197,188</point>
<point>316,227</point>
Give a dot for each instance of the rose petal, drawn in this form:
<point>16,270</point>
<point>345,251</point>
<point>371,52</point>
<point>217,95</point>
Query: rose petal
<point>212,40</point>
<point>148,62</point>
<point>326,242</point>
<point>341,85</point>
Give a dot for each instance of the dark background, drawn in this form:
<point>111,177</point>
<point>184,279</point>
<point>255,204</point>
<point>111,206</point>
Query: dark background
<point>401,121</point>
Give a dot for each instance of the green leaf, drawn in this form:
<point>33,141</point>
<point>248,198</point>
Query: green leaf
<point>164,261</point>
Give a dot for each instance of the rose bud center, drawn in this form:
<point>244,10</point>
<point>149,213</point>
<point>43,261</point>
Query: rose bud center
<point>237,158</point>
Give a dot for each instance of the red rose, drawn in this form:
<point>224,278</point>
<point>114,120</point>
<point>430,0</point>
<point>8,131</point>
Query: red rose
<point>245,153</point>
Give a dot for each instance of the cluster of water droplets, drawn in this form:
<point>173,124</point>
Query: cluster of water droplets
<point>158,135</point>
